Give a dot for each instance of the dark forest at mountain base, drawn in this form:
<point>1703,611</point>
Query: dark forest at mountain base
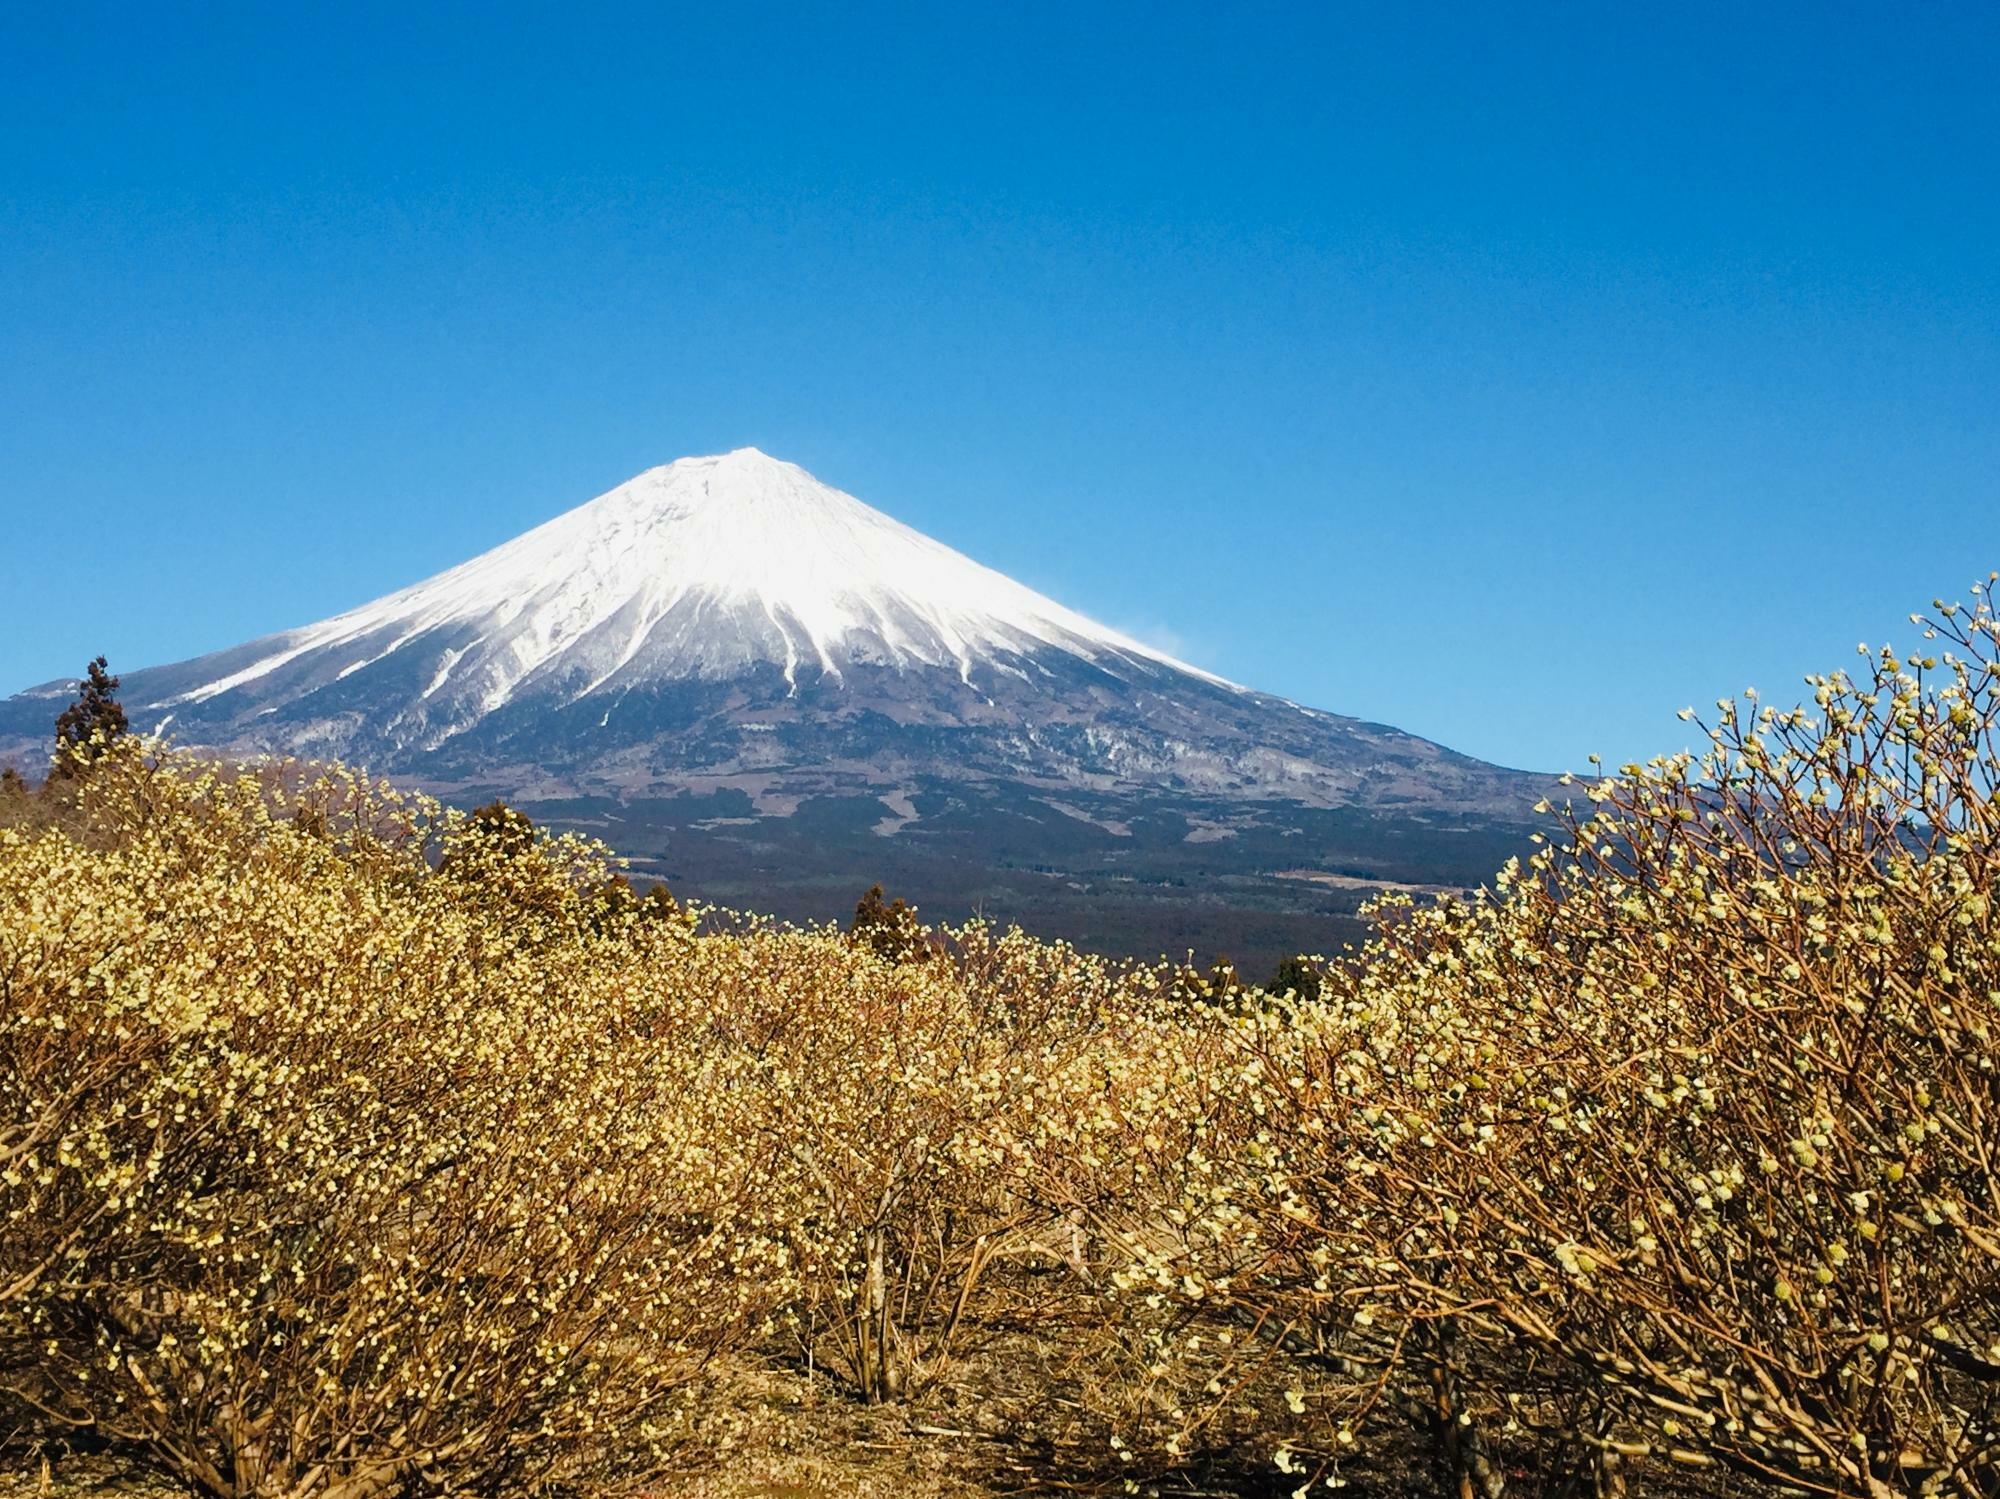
<point>1109,874</point>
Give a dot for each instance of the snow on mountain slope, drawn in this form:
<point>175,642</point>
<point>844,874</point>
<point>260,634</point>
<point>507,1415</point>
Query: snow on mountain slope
<point>697,569</point>
<point>734,619</point>
<point>771,695</point>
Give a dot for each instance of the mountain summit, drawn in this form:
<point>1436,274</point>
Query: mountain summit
<point>704,569</point>
<point>745,654</point>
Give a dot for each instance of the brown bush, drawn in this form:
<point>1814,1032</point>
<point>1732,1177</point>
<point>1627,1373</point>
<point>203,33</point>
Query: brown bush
<point>889,928</point>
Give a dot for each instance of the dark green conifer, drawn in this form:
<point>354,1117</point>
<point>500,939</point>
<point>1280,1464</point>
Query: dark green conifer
<point>1298,976</point>
<point>88,727</point>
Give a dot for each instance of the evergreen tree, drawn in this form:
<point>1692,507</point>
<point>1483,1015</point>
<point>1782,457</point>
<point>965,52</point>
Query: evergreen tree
<point>86,729</point>
<point>1298,976</point>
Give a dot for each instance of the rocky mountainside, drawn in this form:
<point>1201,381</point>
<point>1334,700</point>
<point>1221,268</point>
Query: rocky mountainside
<point>726,651</point>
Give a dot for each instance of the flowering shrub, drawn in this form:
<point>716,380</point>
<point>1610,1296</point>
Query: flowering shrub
<point>350,1144</point>
<point>315,1177</point>
<point>354,1144</point>
<point>906,1108</point>
<point>1681,1142</point>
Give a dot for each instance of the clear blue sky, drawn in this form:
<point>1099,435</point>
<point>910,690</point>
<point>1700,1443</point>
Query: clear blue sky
<point>1511,374</point>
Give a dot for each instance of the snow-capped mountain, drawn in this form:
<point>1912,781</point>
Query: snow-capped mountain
<point>731,628</point>
<point>707,569</point>
<point>734,614</point>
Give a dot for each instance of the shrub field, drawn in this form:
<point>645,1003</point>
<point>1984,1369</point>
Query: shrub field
<point>354,1146</point>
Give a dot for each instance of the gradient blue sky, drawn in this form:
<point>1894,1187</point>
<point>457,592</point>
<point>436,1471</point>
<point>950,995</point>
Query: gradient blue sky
<point>1511,374</point>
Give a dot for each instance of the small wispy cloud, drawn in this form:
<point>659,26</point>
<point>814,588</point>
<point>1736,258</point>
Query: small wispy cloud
<point>1161,637</point>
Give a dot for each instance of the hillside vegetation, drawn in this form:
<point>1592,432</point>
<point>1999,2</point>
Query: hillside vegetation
<point>353,1146</point>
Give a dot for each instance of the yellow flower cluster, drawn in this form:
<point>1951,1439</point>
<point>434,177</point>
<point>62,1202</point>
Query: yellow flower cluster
<point>349,1144</point>
<point>1682,1143</point>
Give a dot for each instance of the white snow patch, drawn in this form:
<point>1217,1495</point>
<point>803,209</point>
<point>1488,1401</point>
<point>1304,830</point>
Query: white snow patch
<point>443,674</point>
<point>249,673</point>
